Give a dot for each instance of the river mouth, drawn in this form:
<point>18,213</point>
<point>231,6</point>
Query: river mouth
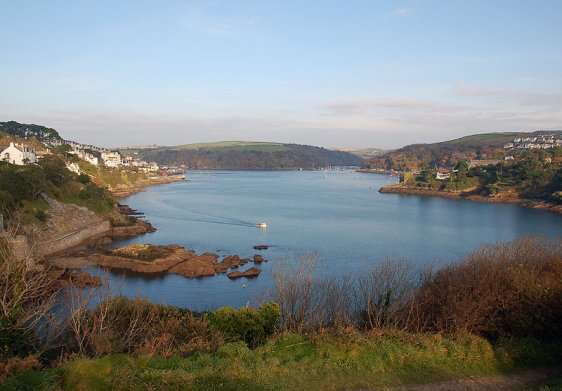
<point>337,216</point>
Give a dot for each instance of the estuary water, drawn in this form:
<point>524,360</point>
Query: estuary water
<point>338,216</point>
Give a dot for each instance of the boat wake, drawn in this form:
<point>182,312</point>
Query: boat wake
<point>207,218</point>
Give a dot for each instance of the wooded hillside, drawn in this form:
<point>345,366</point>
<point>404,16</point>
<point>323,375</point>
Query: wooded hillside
<point>250,156</point>
<point>448,153</point>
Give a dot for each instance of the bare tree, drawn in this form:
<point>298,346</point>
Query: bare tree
<point>28,286</point>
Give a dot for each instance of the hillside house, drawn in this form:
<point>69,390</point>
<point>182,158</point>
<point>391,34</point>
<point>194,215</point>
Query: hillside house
<point>442,175</point>
<point>19,154</point>
<point>111,159</point>
<point>85,155</point>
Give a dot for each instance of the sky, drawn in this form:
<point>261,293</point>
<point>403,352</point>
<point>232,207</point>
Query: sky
<point>355,73</point>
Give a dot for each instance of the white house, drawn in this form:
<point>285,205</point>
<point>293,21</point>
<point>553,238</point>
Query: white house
<point>111,159</point>
<point>442,175</point>
<point>89,157</point>
<point>19,154</point>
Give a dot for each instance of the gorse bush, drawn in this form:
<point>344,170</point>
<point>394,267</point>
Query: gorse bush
<point>250,325</point>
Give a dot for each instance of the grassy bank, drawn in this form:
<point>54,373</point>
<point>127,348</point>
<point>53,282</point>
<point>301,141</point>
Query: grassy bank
<point>495,311</point>
<point>329,361</point>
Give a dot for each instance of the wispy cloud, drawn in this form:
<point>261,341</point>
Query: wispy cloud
<point>517,96</point>
<point>525,111</point>
<point>402,11</point>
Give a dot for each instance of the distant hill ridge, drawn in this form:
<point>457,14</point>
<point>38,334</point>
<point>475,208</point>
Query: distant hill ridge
<point>447,153</point>
<point>251,155</point>
<point>14,128</point>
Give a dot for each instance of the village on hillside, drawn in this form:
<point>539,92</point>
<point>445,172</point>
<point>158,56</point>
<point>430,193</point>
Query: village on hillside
<point>22,154</point>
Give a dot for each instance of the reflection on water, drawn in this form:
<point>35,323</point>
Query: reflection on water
<point>340,216</point>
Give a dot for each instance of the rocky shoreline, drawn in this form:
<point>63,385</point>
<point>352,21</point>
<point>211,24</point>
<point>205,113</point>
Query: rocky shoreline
<point>126,191</point>
<point>467,195</point>
<point>145,258</point>
<point>154,259</point>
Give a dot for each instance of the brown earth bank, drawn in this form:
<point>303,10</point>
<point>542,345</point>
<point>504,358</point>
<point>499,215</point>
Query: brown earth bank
<point>147,258</point>
<point>123,191</point>
<point>507,198</point>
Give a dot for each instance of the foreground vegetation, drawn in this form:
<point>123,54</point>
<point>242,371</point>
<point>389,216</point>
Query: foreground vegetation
<point>495,311</point>
<point>329,361</point>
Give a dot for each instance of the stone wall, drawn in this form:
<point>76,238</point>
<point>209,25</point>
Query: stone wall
<point>73,238</point>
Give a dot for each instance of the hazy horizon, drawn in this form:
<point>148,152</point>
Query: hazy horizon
<point>358,74</point>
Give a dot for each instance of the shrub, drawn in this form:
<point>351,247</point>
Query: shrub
<point>41,215</point>
<point>14,365</point>
<point>83,178</point>
<point>135,326</point>
<point>509,289</point>
<point>247,324</point>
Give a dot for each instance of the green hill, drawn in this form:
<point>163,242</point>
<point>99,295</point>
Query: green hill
<point>14,128</point>
<point>247,155</point>
<point>248,146</point>
<point>448,153</point>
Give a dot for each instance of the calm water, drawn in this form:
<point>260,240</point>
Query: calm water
<point>339,216</point>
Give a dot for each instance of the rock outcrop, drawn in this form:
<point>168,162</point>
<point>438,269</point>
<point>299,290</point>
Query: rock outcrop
<point>197,266</point>
<point>146,258</point>
<point>258,258</point>
<point>250,273</point>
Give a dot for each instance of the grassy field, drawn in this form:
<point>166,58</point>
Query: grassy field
<point>487,137</point>
<point>330,361</point>
<point>243,146</point>
<point>254,146</point>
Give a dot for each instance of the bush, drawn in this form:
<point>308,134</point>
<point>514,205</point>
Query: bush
<point>135,326</point>
<point>41,215</point>
<point>509,289</point>
<point>14,365</point>
<point>247,324</point>
<point>96,197</point>
<point>83,178</point>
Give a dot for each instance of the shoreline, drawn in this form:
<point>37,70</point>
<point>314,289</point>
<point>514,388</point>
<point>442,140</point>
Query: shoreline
<point>126,191</point>
<point>379,172</point>
<point>523,202</point>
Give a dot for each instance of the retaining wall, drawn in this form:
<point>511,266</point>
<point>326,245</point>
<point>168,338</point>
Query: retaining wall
<point>74,238</point>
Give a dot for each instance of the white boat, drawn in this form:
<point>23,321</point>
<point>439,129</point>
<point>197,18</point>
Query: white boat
<point>261,225</point>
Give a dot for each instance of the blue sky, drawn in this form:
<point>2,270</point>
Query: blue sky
<point>331,73</point>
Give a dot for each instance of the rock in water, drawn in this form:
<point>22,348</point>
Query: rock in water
<point>250,273</point>
<point>258,258</point>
